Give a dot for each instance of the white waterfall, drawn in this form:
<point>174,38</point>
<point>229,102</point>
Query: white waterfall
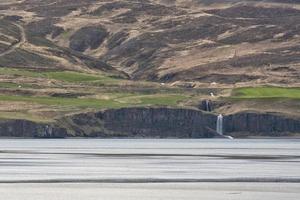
<point>207,105</point>
<point>220,127</point>
<point>220,124</point>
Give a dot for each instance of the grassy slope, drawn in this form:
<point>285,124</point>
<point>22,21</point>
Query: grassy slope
<point>101,89</point>
<point>168,100</point>
<point>80,91</point>
<point>266,92</point>
<point>66,76</point>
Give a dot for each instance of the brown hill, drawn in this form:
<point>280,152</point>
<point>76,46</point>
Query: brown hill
<point>200,41</point>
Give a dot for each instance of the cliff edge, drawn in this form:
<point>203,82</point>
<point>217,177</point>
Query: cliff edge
<point>146,122</point>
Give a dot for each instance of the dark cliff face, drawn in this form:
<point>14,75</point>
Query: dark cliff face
<point>179,123</point>
<point>17,128</point>
<point>153,123</point>
<point>260,124</point>
<point>159,122</point>
<point>24,128</point>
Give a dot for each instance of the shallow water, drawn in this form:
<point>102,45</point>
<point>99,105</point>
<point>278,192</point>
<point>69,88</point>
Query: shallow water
<point>149,169</point>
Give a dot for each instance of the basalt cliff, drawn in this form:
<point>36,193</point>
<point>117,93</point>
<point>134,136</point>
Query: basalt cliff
<point>154,123</point>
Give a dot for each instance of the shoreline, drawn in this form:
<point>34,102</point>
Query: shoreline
<point>159,180</point>
<point>153,138</point>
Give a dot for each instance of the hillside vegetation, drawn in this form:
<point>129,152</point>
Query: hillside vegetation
<point>225,42</point>
<point>63,57</point>
<point>45,95</point>
<point>267,92</point>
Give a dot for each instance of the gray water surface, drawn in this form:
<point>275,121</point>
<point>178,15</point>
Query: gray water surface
<point>148,168</point>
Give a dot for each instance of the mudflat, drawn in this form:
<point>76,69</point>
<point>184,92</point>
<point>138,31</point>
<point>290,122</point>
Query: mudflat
<point>149,169</point>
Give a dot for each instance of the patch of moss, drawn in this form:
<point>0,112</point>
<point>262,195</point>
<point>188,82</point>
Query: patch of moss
<point>265,92</point>
<point>66,76</point>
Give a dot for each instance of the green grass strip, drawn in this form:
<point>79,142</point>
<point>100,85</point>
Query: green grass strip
<point>265,92</point>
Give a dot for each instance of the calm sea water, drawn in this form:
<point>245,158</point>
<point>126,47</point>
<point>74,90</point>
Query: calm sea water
<point>149,169</point>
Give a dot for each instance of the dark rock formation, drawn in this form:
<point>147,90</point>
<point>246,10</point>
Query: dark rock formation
<point>153,123</point>
<point>159,122</point>
<point>206,105</point>
<point>260,124</point>
<point>24,128</point>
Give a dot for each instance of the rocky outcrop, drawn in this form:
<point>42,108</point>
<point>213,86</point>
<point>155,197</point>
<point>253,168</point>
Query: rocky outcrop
<point>206,105</point>
<point>159,122</point>
<point>154,123</point>
<point>260,124</point>
<point>25,128</point>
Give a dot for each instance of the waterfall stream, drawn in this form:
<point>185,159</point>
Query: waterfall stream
<point>220,127</point>
<point>220,124</point>
<point>207,105</point>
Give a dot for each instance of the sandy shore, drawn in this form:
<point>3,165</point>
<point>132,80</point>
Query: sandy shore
<point>153,191</point>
